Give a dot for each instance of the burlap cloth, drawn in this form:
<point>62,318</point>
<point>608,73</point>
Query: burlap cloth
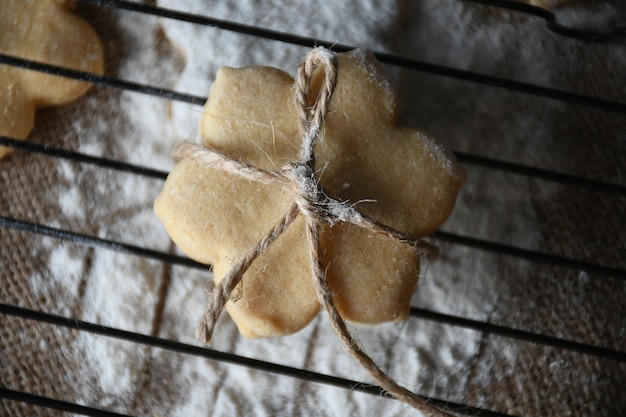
<point>146,296</point>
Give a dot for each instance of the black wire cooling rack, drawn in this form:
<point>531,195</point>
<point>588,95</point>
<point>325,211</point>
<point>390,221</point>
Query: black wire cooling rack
<point>465,158</point>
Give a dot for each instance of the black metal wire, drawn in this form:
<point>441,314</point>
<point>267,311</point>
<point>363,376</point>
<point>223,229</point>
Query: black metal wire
<point>441,70</point>
<point>54,404</point>
<point>92,241</point>
<point>530,255</point>
<point>543,174</point>
<point>82,158</point>
<point>387,58</point>
<point>101,80</point>
<point>225,357</point>
<point>553,24</point>
<point>522,335</point>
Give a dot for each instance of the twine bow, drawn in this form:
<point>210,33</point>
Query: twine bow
<point>298,178</point>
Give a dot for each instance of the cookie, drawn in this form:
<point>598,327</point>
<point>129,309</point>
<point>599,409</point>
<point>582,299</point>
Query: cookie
<point>396,175</point>
<point>44,31</point>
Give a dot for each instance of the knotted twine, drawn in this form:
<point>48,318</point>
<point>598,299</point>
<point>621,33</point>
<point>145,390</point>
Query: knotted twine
<point>298,178</point>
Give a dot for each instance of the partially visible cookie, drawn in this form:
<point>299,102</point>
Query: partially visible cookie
<point>44,31</point>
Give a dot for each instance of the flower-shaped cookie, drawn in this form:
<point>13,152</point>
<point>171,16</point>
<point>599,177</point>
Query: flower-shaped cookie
<point>45,31</point>
<point>395,175</point>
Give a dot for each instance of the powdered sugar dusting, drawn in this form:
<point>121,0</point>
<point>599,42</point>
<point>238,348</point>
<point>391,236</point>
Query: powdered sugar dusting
<point>375,74</point>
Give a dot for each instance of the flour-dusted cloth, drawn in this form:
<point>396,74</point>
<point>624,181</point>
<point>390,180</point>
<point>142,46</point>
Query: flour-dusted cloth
<point>146,296</point>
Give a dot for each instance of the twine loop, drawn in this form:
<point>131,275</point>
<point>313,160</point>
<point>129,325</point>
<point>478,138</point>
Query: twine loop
<point>309,201</point>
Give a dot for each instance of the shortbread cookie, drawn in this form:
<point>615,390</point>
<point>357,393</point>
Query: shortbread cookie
<point>44,31</point>
<point>395,175</point>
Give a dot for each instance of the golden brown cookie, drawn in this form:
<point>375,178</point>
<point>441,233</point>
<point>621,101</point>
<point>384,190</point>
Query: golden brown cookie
<point>395,175</point>
<point>44,31</point>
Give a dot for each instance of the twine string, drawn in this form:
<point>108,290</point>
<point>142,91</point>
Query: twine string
<point>223,291</point>
<point>317,208</point>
